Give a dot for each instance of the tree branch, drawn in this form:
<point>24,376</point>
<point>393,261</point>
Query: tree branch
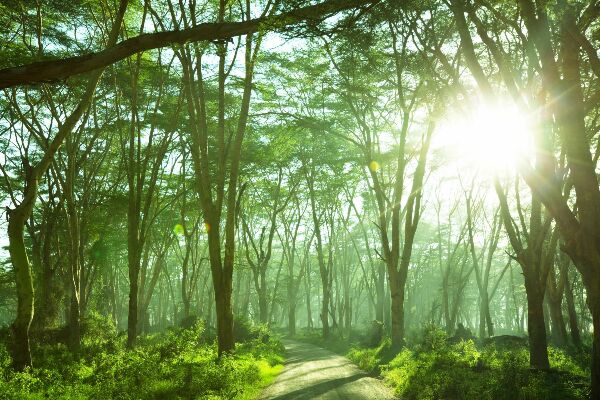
<point>55,70</point>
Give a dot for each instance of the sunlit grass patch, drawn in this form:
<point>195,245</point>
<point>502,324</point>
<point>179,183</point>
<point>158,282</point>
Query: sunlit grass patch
<point>267,374</point>
<point>462,371</point>
<point>179,364</point>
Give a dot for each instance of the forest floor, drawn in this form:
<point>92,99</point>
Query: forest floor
<point>312,372</point>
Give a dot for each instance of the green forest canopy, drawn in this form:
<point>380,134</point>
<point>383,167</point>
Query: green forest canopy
<point>302,164</point>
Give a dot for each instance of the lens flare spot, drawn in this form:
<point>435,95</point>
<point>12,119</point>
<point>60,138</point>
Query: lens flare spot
<point>374,166</point>
<point>207,227</point>
<point>178,230</point>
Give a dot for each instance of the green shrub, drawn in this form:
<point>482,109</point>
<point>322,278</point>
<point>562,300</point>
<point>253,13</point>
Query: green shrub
<point>174,365</point>
<point>369,359</point>
<point>434,338</point>
<point>438,370</point>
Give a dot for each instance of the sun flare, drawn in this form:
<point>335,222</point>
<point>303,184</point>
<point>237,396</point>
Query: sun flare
<point>490,138</point>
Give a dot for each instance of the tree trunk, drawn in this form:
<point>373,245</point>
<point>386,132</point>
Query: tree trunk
<point>24,282</point>
<point>485,318</point>
<point>74,250</point>
<point>347,313</point>
<point>380,290</point>
<point>292,295</point>
<point>309,319</point>
<point>74,322</point>
<point>594,304</point>
<point>292,319</point>
<point>325,309</point>
<point>558,330</point>
<point>47,310</point>
<point>185,295</point>
<point>134,272</point>
<point>143,321</point>
<point>573,323</point>
<point>446,304</point>
<point>488,318</point>
<point>226,341</point>
<point>397,310</point>
<point>538,346</point>
<point>481,319</point>
<point>263,303</point>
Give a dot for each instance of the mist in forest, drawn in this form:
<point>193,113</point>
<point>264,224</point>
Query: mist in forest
<point>199,196</point>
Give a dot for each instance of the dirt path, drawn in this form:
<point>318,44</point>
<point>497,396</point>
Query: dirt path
<point>314,373</point>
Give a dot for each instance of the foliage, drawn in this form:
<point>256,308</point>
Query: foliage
<point>174,365</point>
<point>336,124</point>
<point>244,330</point>
<point>436,369</point>
<point>369,359</point>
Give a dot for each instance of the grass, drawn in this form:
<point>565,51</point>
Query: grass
<point>435,369</point>
<point>267,373</point>
<point>179,364</point>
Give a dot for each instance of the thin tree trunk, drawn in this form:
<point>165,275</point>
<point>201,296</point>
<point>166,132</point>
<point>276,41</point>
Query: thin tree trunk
<point>573,323</point>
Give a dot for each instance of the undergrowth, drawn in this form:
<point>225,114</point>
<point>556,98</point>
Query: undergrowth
<point>179,364</point>
<point>437,369</point>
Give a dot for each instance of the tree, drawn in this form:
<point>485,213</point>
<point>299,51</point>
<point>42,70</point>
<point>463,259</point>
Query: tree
<point>396,206</point>
<point>289,240</point>
<point>143,162</point>
<point>562,113</point>
<point>18,215</point>
<point>483,270</point>
<point>258,252</point>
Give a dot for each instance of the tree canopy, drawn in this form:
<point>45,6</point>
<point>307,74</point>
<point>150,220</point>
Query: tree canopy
<point>376,171</point>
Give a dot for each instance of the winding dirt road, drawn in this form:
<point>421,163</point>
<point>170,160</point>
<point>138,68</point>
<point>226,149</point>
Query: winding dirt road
<point>314,373</point>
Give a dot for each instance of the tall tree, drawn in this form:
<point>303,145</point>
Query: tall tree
<point>18,216</point>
